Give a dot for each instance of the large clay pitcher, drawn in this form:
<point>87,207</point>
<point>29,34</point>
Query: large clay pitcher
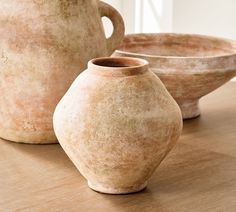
<point>44,45</point>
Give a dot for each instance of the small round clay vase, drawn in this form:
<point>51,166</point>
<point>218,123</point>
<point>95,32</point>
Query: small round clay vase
<point>117,122</point>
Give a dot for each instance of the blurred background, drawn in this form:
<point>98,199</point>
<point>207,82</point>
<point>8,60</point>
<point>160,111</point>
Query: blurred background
<point>208,17</point>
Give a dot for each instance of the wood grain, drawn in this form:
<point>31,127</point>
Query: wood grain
<point>198,175</point>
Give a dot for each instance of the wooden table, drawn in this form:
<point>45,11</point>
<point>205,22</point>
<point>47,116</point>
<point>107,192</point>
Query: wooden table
<point>198,175</point>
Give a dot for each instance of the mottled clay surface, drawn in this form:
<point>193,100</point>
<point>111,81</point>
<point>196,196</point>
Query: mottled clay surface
<point>117,122</point>
<point>190,66</point>
<point>44,45</point>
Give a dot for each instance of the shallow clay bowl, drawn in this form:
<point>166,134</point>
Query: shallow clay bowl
<point>190,66</point>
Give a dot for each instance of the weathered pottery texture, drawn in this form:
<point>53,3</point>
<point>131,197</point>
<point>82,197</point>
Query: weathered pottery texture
<point>117,122</point>
<point>44,46</point>
<point>190,66</point>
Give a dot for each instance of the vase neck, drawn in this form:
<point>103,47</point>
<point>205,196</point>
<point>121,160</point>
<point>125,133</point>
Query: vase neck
<point>118,66</point>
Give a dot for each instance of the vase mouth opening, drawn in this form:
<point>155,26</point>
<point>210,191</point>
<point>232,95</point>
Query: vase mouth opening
<point>118,64</point>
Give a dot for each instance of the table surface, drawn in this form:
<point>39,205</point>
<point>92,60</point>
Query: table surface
<point>198,175</point>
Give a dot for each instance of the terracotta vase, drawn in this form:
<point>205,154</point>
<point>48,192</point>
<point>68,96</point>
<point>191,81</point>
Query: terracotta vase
<point>44,46</point>
<point>117,122</point>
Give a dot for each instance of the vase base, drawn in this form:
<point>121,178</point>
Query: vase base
<point>189,108</point>
<point>110,190</point>
<point>28,137</point>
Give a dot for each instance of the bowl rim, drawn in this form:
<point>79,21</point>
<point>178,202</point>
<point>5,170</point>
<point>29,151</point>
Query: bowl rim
<point>230,41</point>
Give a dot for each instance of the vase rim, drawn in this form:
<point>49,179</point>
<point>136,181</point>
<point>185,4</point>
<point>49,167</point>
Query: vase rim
<point>119,65</point>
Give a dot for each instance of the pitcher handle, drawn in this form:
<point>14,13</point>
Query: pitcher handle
<point>118,26</point>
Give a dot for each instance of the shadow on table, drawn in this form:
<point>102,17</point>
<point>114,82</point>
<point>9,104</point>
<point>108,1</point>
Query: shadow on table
<point>186,173</point>
<point>49,153</point>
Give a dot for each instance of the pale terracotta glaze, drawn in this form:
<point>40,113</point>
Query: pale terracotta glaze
<point>117,122</point>
<point>189,65</point>
<point>44,45</point>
